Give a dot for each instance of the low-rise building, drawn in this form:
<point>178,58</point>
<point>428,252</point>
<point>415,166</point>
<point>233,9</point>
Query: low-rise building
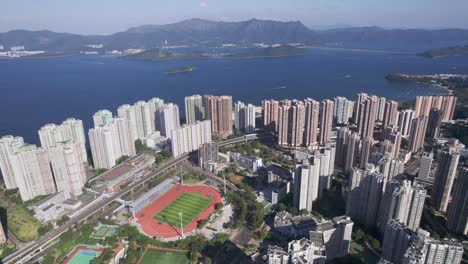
<point>304,251</point>
<point>277,255</point>
<point>154,140</point>
<point>294,226</point>
<point>247,162</point>
<point>54,207</point>
<point>112,180</point>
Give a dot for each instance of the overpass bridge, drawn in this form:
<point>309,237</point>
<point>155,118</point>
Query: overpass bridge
<point>28,252</point>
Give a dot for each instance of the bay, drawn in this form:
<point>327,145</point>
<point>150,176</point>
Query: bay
<point>37,91</point>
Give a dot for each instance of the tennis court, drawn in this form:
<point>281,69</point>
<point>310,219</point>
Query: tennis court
<point>83,254</point>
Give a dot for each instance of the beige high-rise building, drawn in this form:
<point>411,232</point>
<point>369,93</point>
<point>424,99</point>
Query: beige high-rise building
<point>390,114</point>
<point>70,130</point>
<point>352,152</point>
<point>270,110</point>
<point>447,161</point>
<point>296,124</point>
<point>31,170</point>
<point>283,124</point>
<point>381,108</point>
<point>312,112</point>
<point>326,120</point>
<point>194,110</point>
<point>218,109</point>
<point>8,146</point>
<point>68,167</point>
<point>366,151</point>
<point>446,104</point>
<point>368,110</point>
<point>417,133</point>
<point>361,97</point>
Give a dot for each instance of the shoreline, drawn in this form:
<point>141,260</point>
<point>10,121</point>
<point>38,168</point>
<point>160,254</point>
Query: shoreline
<point>362,50</point>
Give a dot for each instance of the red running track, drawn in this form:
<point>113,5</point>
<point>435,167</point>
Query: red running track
<point>155,228</point>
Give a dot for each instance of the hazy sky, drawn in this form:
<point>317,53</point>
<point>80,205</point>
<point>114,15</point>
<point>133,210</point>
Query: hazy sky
<point>109,16</point>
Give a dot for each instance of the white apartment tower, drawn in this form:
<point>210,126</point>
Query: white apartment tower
<point>8,146</point>
<point>190,137</point>
<point>169,117</point>
<point>70,130</point>
<point>109,142</point>
<point>68,167</point>
<point>194,110</point>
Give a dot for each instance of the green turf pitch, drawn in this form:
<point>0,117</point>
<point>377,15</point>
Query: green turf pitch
<point>164,257</point>
<point>190,204</point>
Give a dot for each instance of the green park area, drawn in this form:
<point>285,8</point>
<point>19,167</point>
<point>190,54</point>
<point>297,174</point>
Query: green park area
<point>164,257</point>
<point>190,204</point>
<point>20,219</point>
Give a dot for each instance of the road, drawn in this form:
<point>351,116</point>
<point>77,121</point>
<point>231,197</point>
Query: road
<point>17,256</point>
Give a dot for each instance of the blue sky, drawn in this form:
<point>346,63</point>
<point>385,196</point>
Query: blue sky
<point>109,16</point>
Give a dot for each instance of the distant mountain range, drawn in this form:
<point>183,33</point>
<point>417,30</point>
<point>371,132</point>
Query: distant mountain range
<point>205,33</point>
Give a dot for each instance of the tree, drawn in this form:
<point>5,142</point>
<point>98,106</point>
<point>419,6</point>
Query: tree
<point>63,220</point>
<point>121,159</point>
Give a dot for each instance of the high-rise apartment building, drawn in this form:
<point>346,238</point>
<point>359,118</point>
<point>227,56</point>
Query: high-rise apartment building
<point>446,104</point>
<point>405,118</point>
<point>109,142</point>
<point>68,168</point>
<point>194,110</point>
<point>156,105</point>
<point>270,110</point>
<point>70,130</point>
<point>367,115</point>
<point>102,117</point>
<point>363,197</point>
<point>190,137</point>
<point>296,124</point>
<point>417,134</point>
<point>403,202</point>
<point>457,219</point>
<point>361,97</point>
<point>306,183</point>
<point>390,114</point>
<point>244,117</point>
<point>447,161</point>
<point>9,145</point>
<point>352,152</point>
<point>326,155</point>
<point>218,109</point>
<point>336,236</point>
<point>31,170</point>
<point>381,108</point>
<point>326,120</point>
<point>367,146</point>
<point>283,124</point>
<point>397,239</point>
<point>312,112</point>
<point>170,119</point>
<point>434,123</point>
<point>341,111</point>
<point>425,166</point>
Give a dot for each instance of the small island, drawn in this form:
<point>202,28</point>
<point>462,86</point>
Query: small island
<point>270,52</point>
<point>446,52</point>
<point>158,54</point>
<point>180,70</point>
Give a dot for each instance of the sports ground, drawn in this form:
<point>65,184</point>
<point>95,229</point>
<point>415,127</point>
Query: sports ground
<point>104,231</point>
<point>164,256</point>
<point>83,254</point>
<point>161,217</point>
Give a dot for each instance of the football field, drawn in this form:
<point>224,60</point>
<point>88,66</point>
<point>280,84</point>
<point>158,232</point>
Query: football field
<point>163,257</point>
<point>190,204</point>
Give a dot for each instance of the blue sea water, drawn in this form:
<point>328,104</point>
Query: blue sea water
<point>37,91</point>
